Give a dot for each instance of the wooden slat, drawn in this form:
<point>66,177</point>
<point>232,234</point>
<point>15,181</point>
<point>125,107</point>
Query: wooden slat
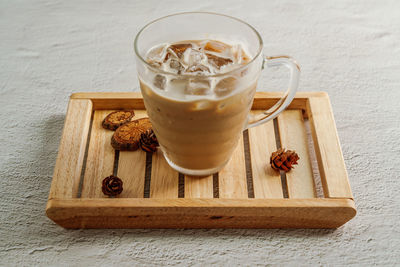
<point>331,164</point>
<point>107,95</point>
<point>198,187</point>
<point>100,158</point>
<point>232,178</point>
<point>260,96</point>
<point>121,100</point>
<point>300,181</point>
<point>132,166</point>
<point>115,100</point>
<point>201,213</point>
<point>164,180</point>
<point>266,181</point>
<point>71,152</point>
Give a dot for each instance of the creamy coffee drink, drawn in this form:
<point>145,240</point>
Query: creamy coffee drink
<point>197,98</point>
<point>198,92</point>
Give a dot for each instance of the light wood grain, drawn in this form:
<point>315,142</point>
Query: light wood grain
<point>300,181</point>
<point>266,181</point>
<point>121,100</point>
<point>132,167</point>
<point>198,209</point>
<point>107,95</point>
<point>232,178</point>
<point>259,96</point>
<point>198,187</point>
<point>164,180</point>
<point>100,158</point>
<point>71,152</point>
<point>201,213</point>
<point>331,164</point>
<point>117,100</point>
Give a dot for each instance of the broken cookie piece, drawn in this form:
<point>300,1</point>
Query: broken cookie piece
<point>127,136</point>
<point>117,118</point>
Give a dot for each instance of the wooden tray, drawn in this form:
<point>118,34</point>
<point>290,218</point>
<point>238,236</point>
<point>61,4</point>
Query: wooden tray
<point>247,193</point>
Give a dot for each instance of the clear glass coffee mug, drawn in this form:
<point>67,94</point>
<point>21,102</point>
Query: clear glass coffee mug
<point>198,134</point>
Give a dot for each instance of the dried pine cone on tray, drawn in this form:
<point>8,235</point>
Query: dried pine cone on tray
<point>282,160</point>
<point>112,186</point>
<point>148,141</point>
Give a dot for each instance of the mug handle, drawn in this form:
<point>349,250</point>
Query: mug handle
<point>294,69</point>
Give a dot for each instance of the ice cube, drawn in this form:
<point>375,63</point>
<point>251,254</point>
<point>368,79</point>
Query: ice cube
<point>201,105</point>
<point>160,81</point>
<point>155,56</point>
<point>225,86</point>
<point>198,87</point>
<point>178,85</point>
<point>245,59</point>
<point>240,55</point>
<point>199,68</point>
<point>177,50</point>
<point>244,72</point>
<point>193,57</point>
<point>155,64</point>
<point>216,46</point>
<point>176,65</point>
<point>218,61</point>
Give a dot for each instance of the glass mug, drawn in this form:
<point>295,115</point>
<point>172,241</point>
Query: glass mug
<point>198,134</point>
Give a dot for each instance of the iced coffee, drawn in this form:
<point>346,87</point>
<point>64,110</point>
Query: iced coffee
<point>197,94</point>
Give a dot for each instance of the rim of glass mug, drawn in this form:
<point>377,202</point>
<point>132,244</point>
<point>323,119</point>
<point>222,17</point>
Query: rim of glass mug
<point>259,51</point>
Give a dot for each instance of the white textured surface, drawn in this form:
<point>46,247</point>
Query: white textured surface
<point>49,49</point>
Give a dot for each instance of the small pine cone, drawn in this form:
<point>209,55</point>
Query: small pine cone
<point>283,160</point>
<point>112,186</point>
<point>148,141</point>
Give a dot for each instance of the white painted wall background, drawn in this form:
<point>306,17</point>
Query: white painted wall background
<point>49,49</point>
